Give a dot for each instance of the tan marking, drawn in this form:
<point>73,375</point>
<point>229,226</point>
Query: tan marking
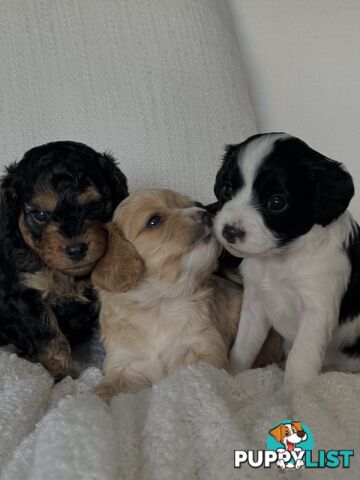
<point>47,200</point>
<point>56,354</point>
<point>88,196</point>
<point>54,285</point>
<point>52,227</point>
<point>28,239</point>
<point>51,246</point>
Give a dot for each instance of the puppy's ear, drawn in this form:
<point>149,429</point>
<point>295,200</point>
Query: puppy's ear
<point>121,267</point>
<point>229,155</point>
<point>8,188</point>
<point>277,433</point>
<point>9,201</point>
<point>297,425</point>
<point>212,208</point>
<point>333,188</point>
<point>114,178</point>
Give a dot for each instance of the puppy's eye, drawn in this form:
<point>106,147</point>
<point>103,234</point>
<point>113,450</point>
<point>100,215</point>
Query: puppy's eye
<point>277,204</point>
<point>40,216</point>
<point>226,192</point>
<point>154,221</point>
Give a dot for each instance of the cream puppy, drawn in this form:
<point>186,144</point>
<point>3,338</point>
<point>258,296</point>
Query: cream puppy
<point>162,307</point>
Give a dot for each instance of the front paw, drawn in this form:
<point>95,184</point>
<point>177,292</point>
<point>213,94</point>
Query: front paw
<point>107,390</point>
<point>56,357</point>
<point>235,363</point>
<point>297,375</point>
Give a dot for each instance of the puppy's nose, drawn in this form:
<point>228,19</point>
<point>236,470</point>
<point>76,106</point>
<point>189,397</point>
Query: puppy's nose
<point>76,251</point>
<point>301,433</point>
<point>232,233</point>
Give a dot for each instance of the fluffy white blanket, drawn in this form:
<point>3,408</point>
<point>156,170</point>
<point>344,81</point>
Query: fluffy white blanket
<point>185,428</point>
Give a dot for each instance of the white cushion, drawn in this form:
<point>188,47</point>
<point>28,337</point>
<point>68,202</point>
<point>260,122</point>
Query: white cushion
<point>159,83</point>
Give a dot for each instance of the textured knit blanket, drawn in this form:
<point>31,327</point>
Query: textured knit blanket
<point>187,427</point>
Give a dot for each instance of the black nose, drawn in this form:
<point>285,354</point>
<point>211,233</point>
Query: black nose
<point>301,433</point>
<point>232,233</point>
<point>76,251</point>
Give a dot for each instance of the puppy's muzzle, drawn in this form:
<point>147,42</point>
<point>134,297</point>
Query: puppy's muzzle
<point>232,233</point>
<point>77,251</point>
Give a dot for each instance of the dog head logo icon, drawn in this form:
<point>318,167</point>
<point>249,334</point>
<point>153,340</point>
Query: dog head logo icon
<point>292,437</point>
<point>289,434</point>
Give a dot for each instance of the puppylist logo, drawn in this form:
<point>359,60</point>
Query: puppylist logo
<point>290,445</point>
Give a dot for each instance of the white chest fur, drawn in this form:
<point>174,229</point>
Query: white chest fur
<point>298,291</point>
<point>272,288</point>
<point>310,275</point>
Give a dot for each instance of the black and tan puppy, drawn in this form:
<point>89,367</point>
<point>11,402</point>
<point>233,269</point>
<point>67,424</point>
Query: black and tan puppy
<point>54,204</point>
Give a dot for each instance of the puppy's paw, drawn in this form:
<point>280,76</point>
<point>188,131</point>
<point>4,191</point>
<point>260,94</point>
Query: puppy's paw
<point>106,390</point>
<point>235,363</point>
<point>56,357</point>
<point>295,375</point>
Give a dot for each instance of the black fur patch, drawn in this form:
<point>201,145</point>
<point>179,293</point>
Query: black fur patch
<point>229,175</point>
<point>350,305</point>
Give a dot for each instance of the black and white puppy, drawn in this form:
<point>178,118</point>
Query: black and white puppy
<point>282,207</point>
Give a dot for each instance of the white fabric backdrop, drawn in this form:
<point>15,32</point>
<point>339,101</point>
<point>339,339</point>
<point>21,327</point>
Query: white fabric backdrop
<point>158,82</point>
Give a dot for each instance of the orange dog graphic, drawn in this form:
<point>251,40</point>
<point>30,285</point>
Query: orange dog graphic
<point>289,434</point>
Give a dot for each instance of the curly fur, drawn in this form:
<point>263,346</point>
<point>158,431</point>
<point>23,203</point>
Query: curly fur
<point>46,299</point>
